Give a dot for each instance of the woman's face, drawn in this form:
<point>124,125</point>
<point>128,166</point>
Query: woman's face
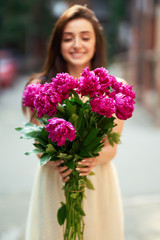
<point>78,43</point>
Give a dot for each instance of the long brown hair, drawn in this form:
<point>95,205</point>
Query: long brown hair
<point>54,62</point>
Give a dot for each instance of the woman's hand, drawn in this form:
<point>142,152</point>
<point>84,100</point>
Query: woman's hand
<point>63,170</point>
<point>86,165</point>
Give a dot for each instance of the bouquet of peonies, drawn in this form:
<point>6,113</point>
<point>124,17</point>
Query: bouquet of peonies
<point>72,129</point>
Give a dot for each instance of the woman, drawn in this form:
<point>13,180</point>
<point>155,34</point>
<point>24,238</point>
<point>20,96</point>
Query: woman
<point>76,42</point>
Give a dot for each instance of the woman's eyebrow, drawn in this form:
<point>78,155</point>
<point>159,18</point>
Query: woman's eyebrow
<point>88,32</point>
<point>70,33</point>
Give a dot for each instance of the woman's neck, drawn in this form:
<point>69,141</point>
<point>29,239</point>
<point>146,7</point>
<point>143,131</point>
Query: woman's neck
<point>76,71</point>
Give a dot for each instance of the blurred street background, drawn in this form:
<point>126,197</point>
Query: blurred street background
<point>132,30</point>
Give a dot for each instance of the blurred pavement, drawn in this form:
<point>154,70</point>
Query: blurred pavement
<point>137,163</point>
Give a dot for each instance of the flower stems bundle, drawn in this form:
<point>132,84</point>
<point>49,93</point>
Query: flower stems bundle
<point>72,130</point>
<point>74,213</point>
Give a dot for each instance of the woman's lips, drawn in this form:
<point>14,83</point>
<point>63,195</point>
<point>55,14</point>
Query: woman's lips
<point>77,54</point>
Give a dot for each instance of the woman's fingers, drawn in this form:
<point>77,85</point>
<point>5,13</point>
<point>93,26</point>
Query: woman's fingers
<point>58,163</point>
<point>83,171</point>
<point>91,162</point>
<point>65,179</point>
<point>54,163</point>
<point>66,173</point>
<point>63,170</point>
<point>85,166</point>
<point>50,164</point>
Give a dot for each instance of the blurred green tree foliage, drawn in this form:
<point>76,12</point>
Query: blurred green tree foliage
<point>118,11</point>
<point>24,21</point>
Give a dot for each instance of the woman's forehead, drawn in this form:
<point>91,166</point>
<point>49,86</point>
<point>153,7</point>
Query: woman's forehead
<point>78,25</point>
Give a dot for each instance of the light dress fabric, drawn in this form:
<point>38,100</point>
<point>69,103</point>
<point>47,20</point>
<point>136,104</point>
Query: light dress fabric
<point>103,208</point>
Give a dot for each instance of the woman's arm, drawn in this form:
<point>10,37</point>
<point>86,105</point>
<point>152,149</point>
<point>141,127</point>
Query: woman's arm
<point>108,152</point>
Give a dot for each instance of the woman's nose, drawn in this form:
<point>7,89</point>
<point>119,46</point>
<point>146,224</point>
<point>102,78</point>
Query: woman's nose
<point>77,43</point>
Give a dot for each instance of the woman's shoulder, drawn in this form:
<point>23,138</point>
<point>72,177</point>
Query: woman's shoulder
<point>121,80</point>
<point>37,78</point>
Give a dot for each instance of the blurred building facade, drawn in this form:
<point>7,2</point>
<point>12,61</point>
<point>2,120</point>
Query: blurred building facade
<point>144,54</point>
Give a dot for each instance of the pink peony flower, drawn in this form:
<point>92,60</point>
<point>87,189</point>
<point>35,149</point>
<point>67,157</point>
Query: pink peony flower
<point>115,84</point>
<point>88,83</point>
<point>29,94</point>
<point>47,100</point>
<point>103,106</point>
<point>60,130</point>
<point>104,79</point>
<point>63,84</point>
<point>127,90</point>
<point>124,105</point>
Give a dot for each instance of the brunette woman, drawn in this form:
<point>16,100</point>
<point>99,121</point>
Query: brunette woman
<point>76,43</point>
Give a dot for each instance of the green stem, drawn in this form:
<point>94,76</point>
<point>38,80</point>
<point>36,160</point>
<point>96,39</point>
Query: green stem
<point>74,225</point>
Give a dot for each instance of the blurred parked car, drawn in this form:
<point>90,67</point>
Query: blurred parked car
<point>8,68</point>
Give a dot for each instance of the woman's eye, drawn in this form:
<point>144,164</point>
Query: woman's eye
<point>85,38</point>
<point>67,39</point>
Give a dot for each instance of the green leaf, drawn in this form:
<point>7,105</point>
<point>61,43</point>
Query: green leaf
<point>92,122</point>
<point>113,137</point>
<point>35,151</point>
<point>89,185</point>
<point>69,157</point>
<point>29,127</point>
<point>44,134</point>
<point>76,157</point>
<point>42,142</point>
<point>46,157</point>
<point>50,148</point>
<point>81,122</point>
<point>73,119</point>
<point>91,174</point>
<point>90,137</point>
<point>61,214</point>
<point>75,94</point>
<point>39,146</point>
<point>97,150</point>
<point>75,147</point>
<point>28,124</point>
<point>62,155</point>
<point>84,154</point>
<point>106,123</point>
<point>60,108</point>
<point>18,129</point>
<point>70,164</point>
<point>70,108</point>
<point>32,134</point>
<point>42,120</point>
<point>95,142</point>
<point>80,210</point>
<point>74,195</point>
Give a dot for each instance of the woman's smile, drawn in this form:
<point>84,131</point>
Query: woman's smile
<point>77,55</point>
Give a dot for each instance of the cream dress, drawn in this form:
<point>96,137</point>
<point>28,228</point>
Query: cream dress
<point>103,208</point>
